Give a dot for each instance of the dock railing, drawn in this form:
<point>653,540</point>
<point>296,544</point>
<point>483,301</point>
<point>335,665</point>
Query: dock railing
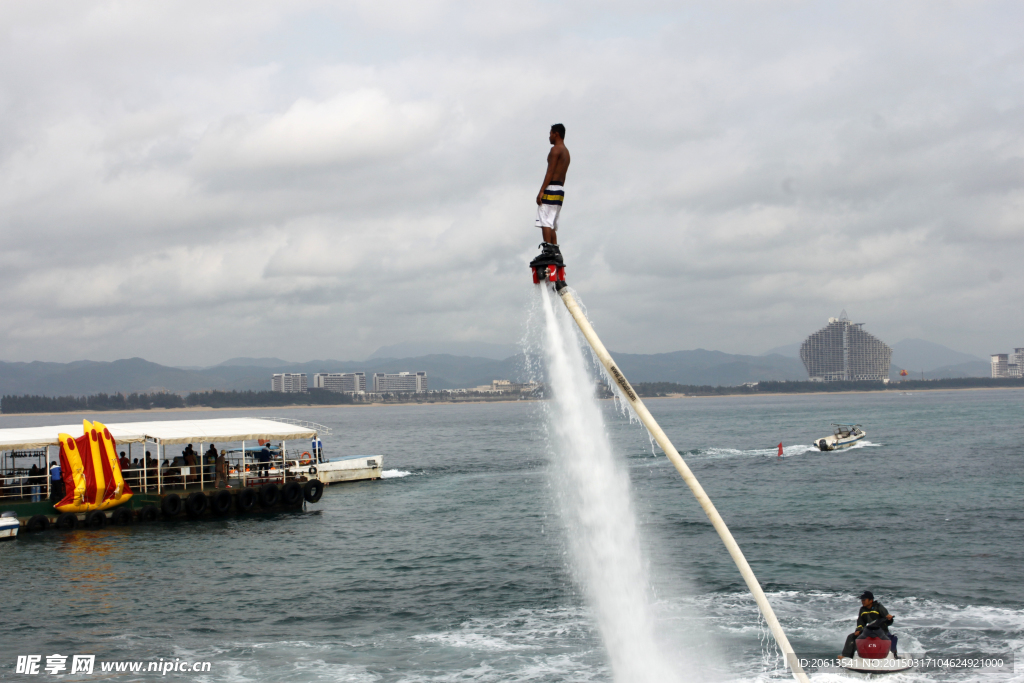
<point>18,484</point>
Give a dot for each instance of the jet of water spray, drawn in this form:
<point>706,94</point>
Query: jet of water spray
<point>594,495</point>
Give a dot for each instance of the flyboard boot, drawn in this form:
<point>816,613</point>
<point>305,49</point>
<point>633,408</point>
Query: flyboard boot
<point>548,266</point>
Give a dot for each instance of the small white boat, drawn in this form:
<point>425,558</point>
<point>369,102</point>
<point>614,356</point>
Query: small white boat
<point>348,468</point>
<point>884,665</point>
<point>844,437</point>
<point>9,526</point>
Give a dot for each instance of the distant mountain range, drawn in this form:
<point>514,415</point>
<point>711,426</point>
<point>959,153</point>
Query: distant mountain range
<point>444,371</point>
<point>448,371</point>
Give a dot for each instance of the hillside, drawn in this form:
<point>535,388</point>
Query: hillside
<point>444,372</point>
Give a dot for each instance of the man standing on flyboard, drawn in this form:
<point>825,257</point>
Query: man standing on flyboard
<point>552,192</point>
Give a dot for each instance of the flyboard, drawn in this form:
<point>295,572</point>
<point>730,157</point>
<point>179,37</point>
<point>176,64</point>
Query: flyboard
<point>549,268</point>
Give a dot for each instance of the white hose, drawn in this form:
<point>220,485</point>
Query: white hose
<point>691,481</point>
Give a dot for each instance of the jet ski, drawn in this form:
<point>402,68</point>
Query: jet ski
<point>874,653</point>
<point>548,266</point>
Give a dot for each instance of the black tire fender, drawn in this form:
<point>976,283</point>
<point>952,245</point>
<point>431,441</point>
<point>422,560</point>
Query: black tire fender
<point>291,494</point>
<point>312,491</point>
<point>121,516</point>
<point>171,505</point>
<point>196,504</point>
<point>97,519</point>
<point>220,502</point>
<point>149,513</point>
<point>245,499</point>
<point>67,521</point>
<point>270,495</point>
<point>38,523</point>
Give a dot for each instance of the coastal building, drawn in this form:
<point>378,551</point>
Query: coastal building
<point>402,382</point>
<point>1008,364</point>
<point>289,382</point>
<point>342,382</point>
<point>504,386</point>
<point>843,351</point>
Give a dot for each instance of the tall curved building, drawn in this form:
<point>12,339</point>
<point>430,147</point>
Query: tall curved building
<point>843,351</point>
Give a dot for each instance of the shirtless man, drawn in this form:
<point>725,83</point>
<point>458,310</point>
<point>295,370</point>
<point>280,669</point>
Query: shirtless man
<point>549,199</point>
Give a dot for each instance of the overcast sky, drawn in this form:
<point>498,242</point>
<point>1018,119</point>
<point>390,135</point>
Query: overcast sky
<point>193,181</point>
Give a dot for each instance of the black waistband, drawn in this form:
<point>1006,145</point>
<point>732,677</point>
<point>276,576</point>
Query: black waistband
<point>556,182</point>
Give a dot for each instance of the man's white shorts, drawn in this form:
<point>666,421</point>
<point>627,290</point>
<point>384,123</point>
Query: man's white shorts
<point>550,207</point>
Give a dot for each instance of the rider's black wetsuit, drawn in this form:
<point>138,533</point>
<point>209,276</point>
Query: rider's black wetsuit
<point>872,612</point>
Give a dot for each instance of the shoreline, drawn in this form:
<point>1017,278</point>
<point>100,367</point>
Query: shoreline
<point>832,393</point>
<point>192,409</point>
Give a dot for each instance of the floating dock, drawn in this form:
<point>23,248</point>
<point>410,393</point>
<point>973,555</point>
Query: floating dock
<point>263,472</point>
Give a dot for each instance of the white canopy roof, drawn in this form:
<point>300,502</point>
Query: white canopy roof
<point>168,432</point>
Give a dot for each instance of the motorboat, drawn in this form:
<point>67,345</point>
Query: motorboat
<point>9,525</point>
<point>844,436</point>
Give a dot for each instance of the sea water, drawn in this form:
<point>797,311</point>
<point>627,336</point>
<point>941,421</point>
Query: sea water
<point>458,566</point>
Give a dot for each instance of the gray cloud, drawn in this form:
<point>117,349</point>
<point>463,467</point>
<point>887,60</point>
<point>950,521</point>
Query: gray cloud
<point>309,180</point>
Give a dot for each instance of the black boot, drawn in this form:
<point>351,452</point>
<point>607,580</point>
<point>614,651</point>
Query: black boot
<point>549,256</point>
<point>553,252</point>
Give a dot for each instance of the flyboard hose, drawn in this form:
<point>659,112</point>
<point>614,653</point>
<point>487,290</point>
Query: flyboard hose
<point>691,481</point>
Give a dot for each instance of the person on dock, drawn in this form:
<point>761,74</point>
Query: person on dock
<point>222,470</point>
<point>123,462</point>
<point>35,475</point>
<point>210,460</point>
<point>552,192</point>
<point>265,457</point>
<point>56,483</point>
<point>870,610</point>
<point>188,456</point>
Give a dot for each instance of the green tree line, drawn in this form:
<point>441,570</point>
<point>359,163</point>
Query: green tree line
<point>95,402</point>
<point>134,401</point>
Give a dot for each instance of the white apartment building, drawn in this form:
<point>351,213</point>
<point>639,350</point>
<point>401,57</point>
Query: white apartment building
<point>402,382</point>
<point>1008,364</point>
<point>289,382</point>
<point>342,382</point>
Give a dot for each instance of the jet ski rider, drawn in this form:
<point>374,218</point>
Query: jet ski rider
<point>871,610</point>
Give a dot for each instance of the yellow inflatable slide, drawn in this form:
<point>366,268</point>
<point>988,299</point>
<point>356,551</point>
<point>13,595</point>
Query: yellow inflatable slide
<point>91,472</point>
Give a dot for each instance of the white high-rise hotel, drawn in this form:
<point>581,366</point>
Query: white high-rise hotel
<point>289,382</point>
<point>843,351</point>
<point>1008,364</point>
<point>402,382</point>
<point>343,382</point>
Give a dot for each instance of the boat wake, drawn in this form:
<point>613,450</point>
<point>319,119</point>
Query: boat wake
<point>394,474</point>
<point>787,451</point>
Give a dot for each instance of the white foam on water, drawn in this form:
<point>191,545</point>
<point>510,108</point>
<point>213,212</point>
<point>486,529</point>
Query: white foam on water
<point>594,497</point>
<point>818,621</point>
<point>787,451</point>
<point>393,474</point>
<point>473,641</point>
